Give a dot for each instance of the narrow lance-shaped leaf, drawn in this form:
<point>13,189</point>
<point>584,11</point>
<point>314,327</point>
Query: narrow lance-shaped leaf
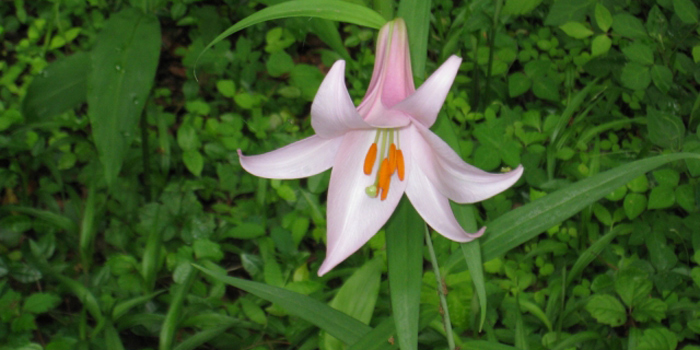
<point>416,13</point>
<point>404,246</point>
<point>522,224</point>
<point>334,10</point>
<point>124,63</point>
<point>347,329</point>
<point>60,87</point>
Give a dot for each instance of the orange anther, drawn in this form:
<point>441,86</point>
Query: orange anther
<point>399,164</point>
<point>384,178</point>
<point>392,158</point>
<point>370,158</point>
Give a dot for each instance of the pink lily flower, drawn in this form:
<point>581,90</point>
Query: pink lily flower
<point>381,150</point>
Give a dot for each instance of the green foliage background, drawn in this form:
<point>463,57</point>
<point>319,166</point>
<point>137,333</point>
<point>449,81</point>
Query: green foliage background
<point>119,172</point>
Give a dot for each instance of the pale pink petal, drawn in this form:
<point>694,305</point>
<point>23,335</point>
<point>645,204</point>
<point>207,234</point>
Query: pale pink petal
<point>303,158</point>
<point>455,179</point>
<point>332,112</point>
<point>353,217</point>
<point>434,208</point>
<point>424,105</point>
<point>392,79</point>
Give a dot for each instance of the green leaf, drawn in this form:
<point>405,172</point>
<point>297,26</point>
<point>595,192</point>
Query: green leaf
<point>279,63</point>
<point>194,161</point>
<point>226,88</point>
<point>658,339</point>
<point>650,309</point>
<point>335,10</point>
<point>576,30</point>
<point>662,77</point>
<point>519,7</point>
<point>665,129</point>
<point>546,88</point>
<point>635,76</point>
<point>518,84</point>
<point>686,11</point>
<point>404,244</point>
<point>696,53</point>
<point>634,205</point>
<point>639,53</point>
<point>607,309</point>
<point>603,17</point>
<point>661,255</point>
<point>123,67</point>
<point>600,45</point>
<point>357,297</point>
<point>523,223</point>
<point>592,253</point>
<point>349,330</point>
<point>416,13</point>
<point>567,11</point>
<point>40,303</point>
<point>632,287</point>
<point>685,197</point>
<point>61,86</point>
<point>628,26</point>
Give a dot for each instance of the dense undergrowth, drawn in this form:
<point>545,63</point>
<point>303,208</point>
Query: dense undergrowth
<point>96,250</point>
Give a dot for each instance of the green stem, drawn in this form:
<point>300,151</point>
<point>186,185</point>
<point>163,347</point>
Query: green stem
<point>441,292</point>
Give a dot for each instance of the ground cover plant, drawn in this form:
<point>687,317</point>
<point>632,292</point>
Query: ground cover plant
<point>127,221</point>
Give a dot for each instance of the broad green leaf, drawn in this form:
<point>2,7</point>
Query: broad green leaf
<point>686,11</point>
<point>357,297</point>
<point>658,339</point>
<point>635,76</point>
<point>194,161</point>
<point>576,30</point>
<point>567,11</point>
<point>634,205</point>
<point>665,129</point>
<point>603,17</point>
<point>416,13</point>
<point>123,67</point>
<point>639,53</point>
<point>607,309</point>
<point>335,10</point>
<point>650,309</point>
<point>696,53</point>
<point>61,86</point>
<point>632,287</point>
<point>662,77</point>
<point>404,244</point>
<point>546,88</point>
<point>628,26</point>
<point>661,197</point>
<point>518,84</point>
<point>519,7</point>
<point>348,329</point>
<point>600,45</point>
<point>521,224</point>
<point>327,31</point>
<point>39,303</point>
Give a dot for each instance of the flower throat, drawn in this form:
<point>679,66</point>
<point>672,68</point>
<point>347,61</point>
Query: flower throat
<point>390,162</point>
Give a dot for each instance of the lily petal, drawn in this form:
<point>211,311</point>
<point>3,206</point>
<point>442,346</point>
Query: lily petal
<point>353,217</point>
<point>303,158</point>
<point>435,208</point>
<point>425,104</point>
<point>332,112</point>
<point>455,179</point>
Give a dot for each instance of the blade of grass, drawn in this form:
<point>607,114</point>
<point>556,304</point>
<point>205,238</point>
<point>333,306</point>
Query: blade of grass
<point>404,247</point>
<point>87,229</point>
<point>520,225</point>
<point>416,13</point>
<point>336,323</point>
<point>172,318</point>
<point>334,10</point>
<point>594,250</point>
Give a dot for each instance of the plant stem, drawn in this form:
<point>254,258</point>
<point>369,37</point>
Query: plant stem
<point>441,292</point>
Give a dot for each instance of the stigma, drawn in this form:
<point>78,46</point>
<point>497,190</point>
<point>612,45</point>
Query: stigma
<point>387,151</point>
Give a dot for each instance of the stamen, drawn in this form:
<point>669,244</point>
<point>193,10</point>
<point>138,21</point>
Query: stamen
<point>384,178</point>
<point>370,158</point>
<point>392,158</point>
<point>399,164</point>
